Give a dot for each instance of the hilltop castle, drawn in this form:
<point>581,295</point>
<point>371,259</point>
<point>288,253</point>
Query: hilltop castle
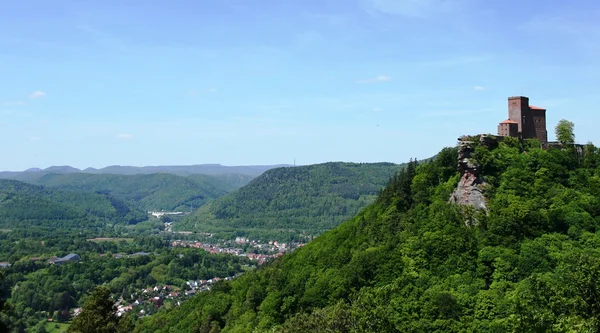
<point>524,120</point>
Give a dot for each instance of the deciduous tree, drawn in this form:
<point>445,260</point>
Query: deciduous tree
<point>97,315</point>
<point>564,132</point>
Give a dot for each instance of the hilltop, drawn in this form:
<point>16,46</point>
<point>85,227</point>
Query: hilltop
<point>24,206</point>
<point>414,262</point>
<point>294,200</point>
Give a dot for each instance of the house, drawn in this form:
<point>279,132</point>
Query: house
<point>4,264</point>
<point>158,302</point>
<point>71,257</point>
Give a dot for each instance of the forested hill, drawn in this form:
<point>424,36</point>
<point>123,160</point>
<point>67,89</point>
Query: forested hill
<point>24,205</point>
<point>227,182</point>
<point>409,263</point>
<point>304,199</point>
<point>158,191</point>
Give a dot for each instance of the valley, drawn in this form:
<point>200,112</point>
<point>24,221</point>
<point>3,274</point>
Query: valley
<point>129,234</point>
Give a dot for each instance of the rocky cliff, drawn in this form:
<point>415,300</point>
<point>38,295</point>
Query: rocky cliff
<point>469,191</point>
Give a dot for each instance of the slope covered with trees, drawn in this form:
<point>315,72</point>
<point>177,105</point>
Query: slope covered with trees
<point>410,263</point>
<point>24,205</point>
<point>306,199</point>
<point>228,182</point>
<point>159,191</point>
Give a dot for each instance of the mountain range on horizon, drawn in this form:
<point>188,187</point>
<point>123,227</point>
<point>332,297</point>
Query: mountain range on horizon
<point>180,170</point>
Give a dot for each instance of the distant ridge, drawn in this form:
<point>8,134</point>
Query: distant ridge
<point>180,170</point>
<point>61,169</point>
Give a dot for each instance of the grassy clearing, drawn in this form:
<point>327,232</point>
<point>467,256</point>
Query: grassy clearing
<point>56,327</point>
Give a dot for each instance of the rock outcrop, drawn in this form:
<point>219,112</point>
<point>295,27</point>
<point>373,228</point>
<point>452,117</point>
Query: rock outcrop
<point>469,191</point>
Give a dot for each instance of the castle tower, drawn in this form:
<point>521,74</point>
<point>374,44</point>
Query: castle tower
<point>538,116</point>
<point>527,121</point>
<point>508,128</point>
<point>518,111</point>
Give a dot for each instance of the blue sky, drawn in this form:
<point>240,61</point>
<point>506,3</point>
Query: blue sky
<point>238,82</point>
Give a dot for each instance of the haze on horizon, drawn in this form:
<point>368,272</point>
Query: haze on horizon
<point>98,83</point>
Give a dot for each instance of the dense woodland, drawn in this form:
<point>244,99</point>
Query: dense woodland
<point>102,204</point>
<point>410,263</point>
<point>160,191</point>
<point>26,206</point>
<point>304,200</point>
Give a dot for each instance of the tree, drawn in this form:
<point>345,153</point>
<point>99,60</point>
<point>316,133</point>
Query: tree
<point>564,132</point>
<point>97,315</point>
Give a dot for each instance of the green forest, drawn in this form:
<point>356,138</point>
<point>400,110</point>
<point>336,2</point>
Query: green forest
<point>413,262</point>
<point>26,206</point>
<point>147,192</point>
<point>159,191</point>
<point>304,200</point>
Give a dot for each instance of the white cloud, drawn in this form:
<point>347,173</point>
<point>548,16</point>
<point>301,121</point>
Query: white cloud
<point>193,94</point>
<point>15,113</point>
<point>377,109</point>
<point>308,39</point>
<point>35,138</point>
<point>454,61</point>
<point>37,94</point>
<point>479,88</point>
<point>453,113</point>
<point>578,27</point>
<point>125,136</point>
<point>379,78</point>
<point>413,8</point>
<point>569,23</point>
<point>15,103</point>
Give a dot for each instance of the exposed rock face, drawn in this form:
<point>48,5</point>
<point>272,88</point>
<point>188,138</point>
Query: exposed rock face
<point>469,190</point>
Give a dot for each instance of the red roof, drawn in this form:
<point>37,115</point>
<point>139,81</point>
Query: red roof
<point>533,107</point>
<point>508,121</point>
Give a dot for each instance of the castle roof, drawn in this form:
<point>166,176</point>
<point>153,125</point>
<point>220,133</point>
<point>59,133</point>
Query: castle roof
<point>508,121</point>
<point>533,107</point>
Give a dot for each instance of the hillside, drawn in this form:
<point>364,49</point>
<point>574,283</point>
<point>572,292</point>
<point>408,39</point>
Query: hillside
<point>306,199</point>
<point>227,182</point>
<point>413,262</point>
<point>24,205</point>
<point>158,191</point>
